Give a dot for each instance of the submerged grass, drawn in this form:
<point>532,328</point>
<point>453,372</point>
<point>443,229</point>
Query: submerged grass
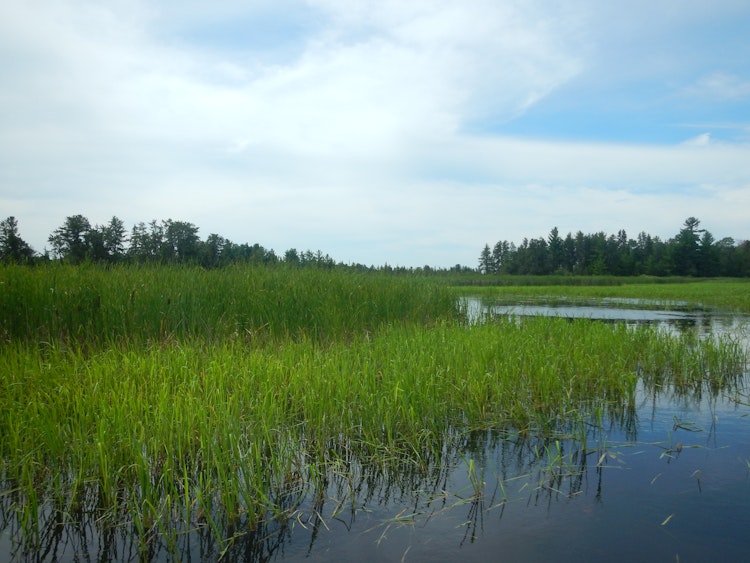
<point>172,400</point>
<point>188,428</point>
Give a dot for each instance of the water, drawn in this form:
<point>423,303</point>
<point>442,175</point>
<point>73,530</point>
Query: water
<point>672,484</point>
<point>668,480</point>
<point>669,316</point>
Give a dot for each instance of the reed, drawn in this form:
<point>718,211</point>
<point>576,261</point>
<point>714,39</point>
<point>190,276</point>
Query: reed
<point>95,305</point>
<point>240,420</point>
<point>227,411</point>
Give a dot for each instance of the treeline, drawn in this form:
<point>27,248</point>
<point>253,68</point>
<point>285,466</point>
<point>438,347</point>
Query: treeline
<point>692,252</point>
<point>162,242</point>
<point>79,241</point>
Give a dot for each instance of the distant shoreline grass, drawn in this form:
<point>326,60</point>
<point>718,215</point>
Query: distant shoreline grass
<point>724,294</point>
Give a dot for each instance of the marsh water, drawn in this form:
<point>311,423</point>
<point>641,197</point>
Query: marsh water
<point>675,316</point>
<point>665,480</point>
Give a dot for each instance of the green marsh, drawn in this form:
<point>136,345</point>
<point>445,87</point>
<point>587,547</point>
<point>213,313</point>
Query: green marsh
<point>162,401</point>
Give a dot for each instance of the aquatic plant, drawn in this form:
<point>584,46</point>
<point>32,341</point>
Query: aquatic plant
<point>99,306</point>
<point>231,412</point>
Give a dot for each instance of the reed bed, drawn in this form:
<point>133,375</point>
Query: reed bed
<point>187,431</point>
<point>99,306</point>
<point>164,401</point>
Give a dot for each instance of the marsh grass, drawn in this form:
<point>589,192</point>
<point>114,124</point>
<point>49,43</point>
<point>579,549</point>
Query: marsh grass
<point>169,401</point>
<point>96,306</point>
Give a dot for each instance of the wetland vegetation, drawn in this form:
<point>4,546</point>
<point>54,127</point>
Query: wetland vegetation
<point>160,412</point>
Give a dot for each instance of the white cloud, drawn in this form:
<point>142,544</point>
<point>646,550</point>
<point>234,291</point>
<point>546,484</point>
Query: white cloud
<point>702,140</point>
<point>96,79</point>
<point>355,141</point>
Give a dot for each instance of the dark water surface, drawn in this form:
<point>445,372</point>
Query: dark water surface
<point>668,480</point>
<point>672,485</point>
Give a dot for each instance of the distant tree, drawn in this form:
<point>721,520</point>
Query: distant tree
<point>555,250</point>
<point>569,253</point>
<point>686,248</point>
<point>498,256</point>
<point>501,254</point>
<point>532,257</point>
<point>727,254</point>
<point>291,256</point>
<point>538,262</point>
<point>307,257</point>
<point>322,260</point>
<point>693,252</point>
<point>139,243</point>
<point>659,259</point>
<point>643,248</point>
<point>270,257</point>
<point>69,241</point>
<point>742,259</point>
<point>213,251</point>
<point>583,253</point>
<point>114,239</point>
<point>625,258</point>
<point>180,241</point>
<point>485,260</point>
<point>708,256</point>
<point>147,243</point>
<point>13,249</point>
<point>95,248</point>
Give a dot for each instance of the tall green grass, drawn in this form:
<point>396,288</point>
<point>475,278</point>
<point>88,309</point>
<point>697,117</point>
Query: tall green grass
<point>165,400</point>
<point>197,430</point>
<point>97,305</point>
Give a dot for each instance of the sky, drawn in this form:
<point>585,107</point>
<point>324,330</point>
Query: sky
<point>379,132</point>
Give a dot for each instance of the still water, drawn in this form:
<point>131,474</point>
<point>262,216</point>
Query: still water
<point>670,316</point>
<point>668,480</point>
<point>672,486</point>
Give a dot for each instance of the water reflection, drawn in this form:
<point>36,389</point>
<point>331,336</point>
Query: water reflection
<point>643,468</point>
<point>670,316</point>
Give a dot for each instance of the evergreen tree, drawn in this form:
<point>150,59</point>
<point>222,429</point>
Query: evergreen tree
<point>556,251</point>
<point>708,256</point>
<point>485,260</point>
<point>13,249</point>
<point>114,239</point>
<point>686,248</point>
<point>69,241</point>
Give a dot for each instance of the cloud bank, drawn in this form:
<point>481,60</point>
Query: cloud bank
<point>374,131</point>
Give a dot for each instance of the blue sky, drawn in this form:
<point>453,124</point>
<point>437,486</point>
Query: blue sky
<point>407,133</point>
